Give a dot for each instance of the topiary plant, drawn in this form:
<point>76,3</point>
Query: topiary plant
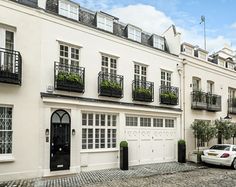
<point>123,144</point>
<point>181,142</point>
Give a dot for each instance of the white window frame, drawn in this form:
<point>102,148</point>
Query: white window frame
<point>68,9</point>
<point>110,141</point>
<point>69,59</point>
<point>131,121</point>
<point>210,87</point>
<point>134,33</point>
<point>8,156</point>
<point>110,68</point>
<point>167,126</point>
<point>166,78</point>
<point>104,22</point>
<point>158,42</point>
<point>140,72</point>
<point>198,81</point>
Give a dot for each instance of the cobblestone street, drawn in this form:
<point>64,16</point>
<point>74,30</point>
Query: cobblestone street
<point>165,174</point>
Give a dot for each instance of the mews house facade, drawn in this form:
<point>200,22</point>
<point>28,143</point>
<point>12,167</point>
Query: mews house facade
<point>74,83</point>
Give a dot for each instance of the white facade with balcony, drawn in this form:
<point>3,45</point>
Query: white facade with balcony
<point>59,50</point>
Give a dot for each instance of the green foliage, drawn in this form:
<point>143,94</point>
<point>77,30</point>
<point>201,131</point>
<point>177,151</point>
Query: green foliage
<point>213,99</point>
<point>233,129</point>
<point>198,96</point>
<point>223,129</point>
<point>123,144</point>
<point>107,84</point>
<point>203,131</point>
<point>169,95</point>
<point>182,142</point>
<point>69,76</point>
<point>143,91</point>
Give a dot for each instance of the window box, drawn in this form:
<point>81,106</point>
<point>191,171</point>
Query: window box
<point>143,91</point>
<point>110,85</point>
<point>199,101</point>
<point>69,78</point>
<point>10,66</point>
<point>169,95</point>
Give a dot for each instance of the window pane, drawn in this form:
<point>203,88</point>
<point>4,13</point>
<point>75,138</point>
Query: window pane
<point>84,119</point>
<point>157,122</point>
<point>102,119</point>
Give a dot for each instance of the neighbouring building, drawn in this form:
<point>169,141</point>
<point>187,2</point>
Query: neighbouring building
<point>74,83</point>
<point>209,87</point>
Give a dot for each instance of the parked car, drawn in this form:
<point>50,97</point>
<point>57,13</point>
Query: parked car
<point>220,154</point>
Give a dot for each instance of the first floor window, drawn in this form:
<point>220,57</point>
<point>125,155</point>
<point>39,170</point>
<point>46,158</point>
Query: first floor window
<point>99,131</point>
<point>169,123</point>
<point>165,78</point>
<point>5,130</point>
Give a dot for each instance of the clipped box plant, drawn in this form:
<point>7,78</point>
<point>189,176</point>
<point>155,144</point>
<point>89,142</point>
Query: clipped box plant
<point>124,156</point>
<point>181,151</point>
<point>110,88</point>
<point>142,94</point>
<point>168,98</point>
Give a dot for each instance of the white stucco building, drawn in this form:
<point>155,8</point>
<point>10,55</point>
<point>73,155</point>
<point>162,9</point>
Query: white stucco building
<point>74,83</point>
<point>209,88</point>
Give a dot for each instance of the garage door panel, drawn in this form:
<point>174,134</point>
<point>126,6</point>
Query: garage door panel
<point>145,151</point>
<point>158,150</point>
<point>133,152</point>
<point>170,150</point>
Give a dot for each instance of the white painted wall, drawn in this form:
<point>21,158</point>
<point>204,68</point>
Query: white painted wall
<point>37,35</point>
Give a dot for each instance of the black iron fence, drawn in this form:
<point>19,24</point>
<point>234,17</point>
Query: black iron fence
<point>69,77</point>
<point>110,85</point>
<point>169,95</point>
<point>142,90</point>
<point>10,66</point>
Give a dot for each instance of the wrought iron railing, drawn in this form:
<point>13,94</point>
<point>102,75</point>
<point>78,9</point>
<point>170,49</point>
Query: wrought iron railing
<point>169,95</point>
<point>199,100</point>
<point>110,85</point>
<point>232,105</point>
<point>142,90</point>
<point>213,102</point>
<point>206,101</point>
<point>10,66</point>
<point>69,77</point>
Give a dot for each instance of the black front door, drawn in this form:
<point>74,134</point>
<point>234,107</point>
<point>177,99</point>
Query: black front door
<point>60,141</point>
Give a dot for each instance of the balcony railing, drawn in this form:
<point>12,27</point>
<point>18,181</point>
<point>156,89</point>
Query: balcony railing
<point>110,85</point>
<point>10,66</point>
<point>232,105</point>
<point>213,102</point>
<point>206,101</point>
<point>199,100</point>
<point>169,95</point>
<point>142,90</point>
<point>68,77</point>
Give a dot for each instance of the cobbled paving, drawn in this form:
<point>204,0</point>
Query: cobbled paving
<point>102,176</point>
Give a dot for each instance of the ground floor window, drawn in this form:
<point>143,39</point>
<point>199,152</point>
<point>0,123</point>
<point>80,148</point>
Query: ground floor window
<point>5,130</point>
<point>158,122</point>
<point>99,131</point>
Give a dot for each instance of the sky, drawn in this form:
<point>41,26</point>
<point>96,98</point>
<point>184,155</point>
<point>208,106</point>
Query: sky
<point>155,16</point>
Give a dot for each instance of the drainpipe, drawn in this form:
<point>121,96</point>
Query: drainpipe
<point>184,100</point>
<point>179,69</point>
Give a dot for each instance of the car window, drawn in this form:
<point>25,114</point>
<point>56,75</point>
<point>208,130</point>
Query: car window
<point>221,147</point>
<point>234,148</point>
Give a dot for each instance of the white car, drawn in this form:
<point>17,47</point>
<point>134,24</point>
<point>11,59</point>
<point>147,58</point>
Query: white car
<point>220,154</point>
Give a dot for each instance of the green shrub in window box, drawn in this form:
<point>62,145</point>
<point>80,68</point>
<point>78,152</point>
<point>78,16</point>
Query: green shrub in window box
<point>143,94</point>
<point>168,98</point>
<point>110,88</point>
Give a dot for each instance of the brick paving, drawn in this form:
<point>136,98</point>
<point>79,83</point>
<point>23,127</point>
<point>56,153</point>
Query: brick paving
<point>103,176</point>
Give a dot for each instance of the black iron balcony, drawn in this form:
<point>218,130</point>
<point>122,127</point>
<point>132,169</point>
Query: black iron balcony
<point>69,77</point>
<point>142,90</point>
<point>232,105</point>
<point>213,102</point>
<point>169,95</point>
<point>110,85</point>
<point>10,66</point>
<point>199,100</point>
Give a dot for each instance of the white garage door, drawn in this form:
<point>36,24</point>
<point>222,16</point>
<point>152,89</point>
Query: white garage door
<point>151,140</point>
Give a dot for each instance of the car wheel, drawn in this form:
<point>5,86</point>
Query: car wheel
<point>234,163</point>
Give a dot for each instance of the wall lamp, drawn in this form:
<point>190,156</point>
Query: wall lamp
<point>73,132</point>
<point>47,132</point>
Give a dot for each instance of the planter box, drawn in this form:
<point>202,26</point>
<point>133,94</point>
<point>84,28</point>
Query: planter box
<point>142,97</point>
<point>69,86</point>
<point>214,108</point>
<point>109,92</point>
<point>168,101</point>
<point>199,105</point>
<point>181,153</point>
<point>124,158</point>
<point>194,157</point>
<point>9,77</point>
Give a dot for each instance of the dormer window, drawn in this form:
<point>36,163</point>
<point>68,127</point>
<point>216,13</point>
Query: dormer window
<point>188,49</point>
<point>134,33</point>
<point>158,42</point>
<point>104,22</point>
<point>69,9</point>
